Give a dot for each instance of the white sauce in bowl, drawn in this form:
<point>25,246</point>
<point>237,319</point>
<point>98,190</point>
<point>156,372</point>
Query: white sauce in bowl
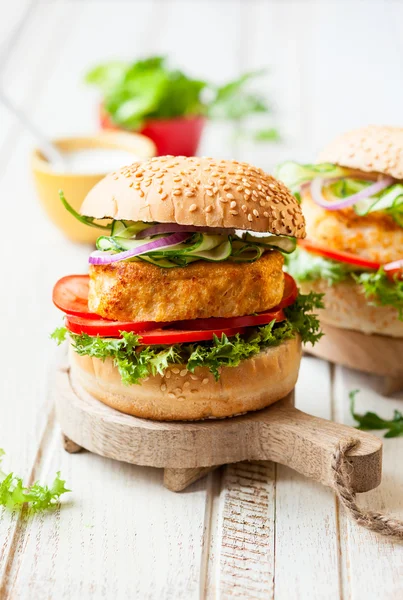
<point>95,161</point>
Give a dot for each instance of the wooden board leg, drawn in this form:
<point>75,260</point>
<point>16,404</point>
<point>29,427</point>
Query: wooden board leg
<point>177,480</point>
<point>70,446</point>
<point>391,385</point>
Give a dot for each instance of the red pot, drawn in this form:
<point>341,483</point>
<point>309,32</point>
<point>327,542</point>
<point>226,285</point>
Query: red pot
<point>179,136</point>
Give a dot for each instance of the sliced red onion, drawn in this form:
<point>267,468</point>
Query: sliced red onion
<point>317,196</point>
<point>103,258</point>
<point>392,266</point>
<point>174,228</point>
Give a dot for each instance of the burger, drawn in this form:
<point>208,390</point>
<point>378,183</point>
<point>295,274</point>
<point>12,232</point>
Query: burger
<point>353,253</point>
<point>186,312</point>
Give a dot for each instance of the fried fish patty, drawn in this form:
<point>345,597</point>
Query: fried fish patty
<point>375,236</point>
<point>139,291</point>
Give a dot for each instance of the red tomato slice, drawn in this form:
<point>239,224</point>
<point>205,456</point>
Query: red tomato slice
<point>246,321</point>
<point>290,293</point>
<point>338,255</point>
<point>153,336</point>
<point>70,294</point>
<point>96,325</point>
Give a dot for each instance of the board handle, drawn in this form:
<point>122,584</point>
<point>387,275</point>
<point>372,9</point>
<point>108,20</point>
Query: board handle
<point>307,444</point>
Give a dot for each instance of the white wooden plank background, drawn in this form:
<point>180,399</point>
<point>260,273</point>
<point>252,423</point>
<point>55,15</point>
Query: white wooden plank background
<point>248,531</point>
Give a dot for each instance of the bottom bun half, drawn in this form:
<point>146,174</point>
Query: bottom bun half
<point>348,308</point>
<point>182,396</point>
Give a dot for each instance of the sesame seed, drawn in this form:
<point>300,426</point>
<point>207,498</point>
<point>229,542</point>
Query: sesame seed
<point>208,208</point>
<point>178,390</point>
<point>177,178</point>
<point>233,204</point>
<point>164,196</point>
<point>255,193</point>
<point>239,188</point>
<point>177,192</point>
<point>189,194</point>
<point>192,207</point>
<point>223,200</point>
<point>209,193</point>
<point>183,372</point>
<point>250,218</point>
<point>230,196</point>
<point>186,385</point>
<point>266,214</point>
<point>234,212</point>
<point>226,187</point>
<point>131,184</point>
<point>171,395</point>
<point>141,193</point>
<point>163,387</point>
<point>247,192</point>
<point>205,380</point>
<point>194,377</point>
<point>167,374</point>
<point>175,370</point>
<point>160,175</point>
<point>244,207</point>
<point>255,212</point>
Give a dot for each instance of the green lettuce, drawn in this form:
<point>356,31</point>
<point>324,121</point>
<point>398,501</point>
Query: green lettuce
<point>136,362</point>
<point>381,291</point>
<point>294,175</point>
<point>305,266</point>
<point>377,287</point>
<point>14,494</point>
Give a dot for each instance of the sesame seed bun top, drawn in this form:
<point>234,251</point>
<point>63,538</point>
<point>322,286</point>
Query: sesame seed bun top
<point>197,191</point>
<point>376,148</point>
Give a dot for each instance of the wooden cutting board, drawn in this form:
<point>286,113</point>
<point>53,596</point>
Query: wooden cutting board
<point>189,450</point>
<point>377,354</point>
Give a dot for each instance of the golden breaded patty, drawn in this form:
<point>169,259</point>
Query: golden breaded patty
<point>139,291</point>
<point>375,236</point>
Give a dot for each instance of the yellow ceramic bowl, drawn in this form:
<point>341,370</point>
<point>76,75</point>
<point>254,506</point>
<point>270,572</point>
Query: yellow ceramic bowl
<point>77,185</point>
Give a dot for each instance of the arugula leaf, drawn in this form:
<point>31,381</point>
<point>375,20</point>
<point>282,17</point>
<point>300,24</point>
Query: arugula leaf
<point>85,220</point>
<point>305,266</point>
<point>58,335</point>
<point>136,362</point>
<point>380,290</point>
<point>13,493</point>
<point>370,420</point>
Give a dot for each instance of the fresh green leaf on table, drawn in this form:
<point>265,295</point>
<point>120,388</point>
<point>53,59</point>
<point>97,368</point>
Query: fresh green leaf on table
<point>14,494</point>
<point>371,421</point>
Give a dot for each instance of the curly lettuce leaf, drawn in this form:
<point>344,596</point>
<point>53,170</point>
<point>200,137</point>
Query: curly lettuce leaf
<point>14,494</point>
<point>136,362</point>
<point>59,335</point>
<point>380,290</point>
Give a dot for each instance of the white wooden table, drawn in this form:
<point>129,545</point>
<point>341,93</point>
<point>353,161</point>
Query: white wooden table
<point>247,530</point>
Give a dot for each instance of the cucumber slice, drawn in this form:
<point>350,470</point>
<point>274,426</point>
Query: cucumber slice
<point>128,229</point>
<point>107,243</point>
<point>242,252</point>
<point>217,254</point>
<point>277,242</point>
